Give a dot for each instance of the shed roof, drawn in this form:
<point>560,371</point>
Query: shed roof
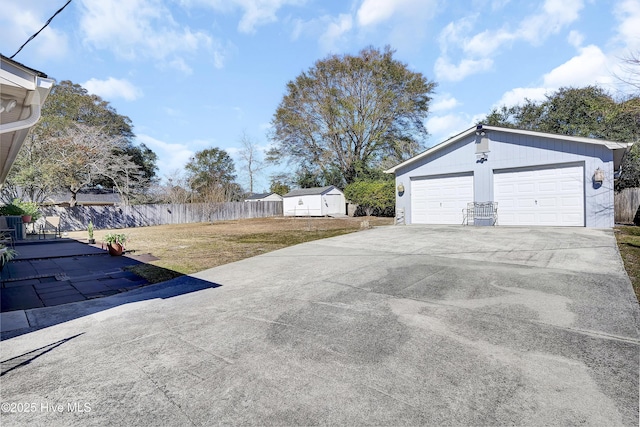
<point>618,147</point>
<point>310,191</point>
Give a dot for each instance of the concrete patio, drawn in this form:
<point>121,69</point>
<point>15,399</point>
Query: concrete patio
<point>52,272</point>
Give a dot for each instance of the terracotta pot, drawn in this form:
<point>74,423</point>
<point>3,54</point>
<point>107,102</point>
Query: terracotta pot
<point>26,219</point>
<point>115,249</point>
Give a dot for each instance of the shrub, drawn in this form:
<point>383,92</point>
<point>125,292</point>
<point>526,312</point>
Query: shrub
<point>18,207</point>
<point>374,197</point>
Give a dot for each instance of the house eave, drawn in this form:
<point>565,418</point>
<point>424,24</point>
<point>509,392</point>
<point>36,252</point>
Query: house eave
<point>29,88</point>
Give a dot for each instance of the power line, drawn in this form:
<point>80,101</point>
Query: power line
<point>45,26</point>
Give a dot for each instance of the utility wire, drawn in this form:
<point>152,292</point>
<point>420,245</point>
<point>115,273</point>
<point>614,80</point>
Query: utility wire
<point>45,26</point>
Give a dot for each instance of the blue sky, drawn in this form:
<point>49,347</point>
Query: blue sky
<point>193,74</point>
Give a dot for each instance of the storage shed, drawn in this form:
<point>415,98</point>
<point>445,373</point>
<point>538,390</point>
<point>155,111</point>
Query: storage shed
<point>533,178</point>
<point>318,201</point>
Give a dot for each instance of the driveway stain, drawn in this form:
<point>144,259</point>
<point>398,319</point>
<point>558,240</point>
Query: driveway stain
<point>340,330</point>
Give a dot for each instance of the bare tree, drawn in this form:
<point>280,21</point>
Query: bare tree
<point>176,189</point>
<point>631,69</point>
<point>251,156</point>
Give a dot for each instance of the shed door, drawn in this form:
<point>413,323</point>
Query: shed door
<point>543,196</point>
<point>332,204</point>
<point>440,200</point>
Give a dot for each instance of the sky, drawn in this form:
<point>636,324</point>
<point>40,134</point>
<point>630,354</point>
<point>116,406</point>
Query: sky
<point>196,74</point>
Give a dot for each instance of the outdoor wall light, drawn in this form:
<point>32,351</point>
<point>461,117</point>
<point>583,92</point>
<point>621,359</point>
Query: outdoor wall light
<point>598,176</point>
<point>7,105</point>
<point>400,188</point>
<point>300,202</point>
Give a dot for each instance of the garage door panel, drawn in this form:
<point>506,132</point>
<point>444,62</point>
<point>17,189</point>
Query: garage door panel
<point>546,196</point>
<point>440,200</point>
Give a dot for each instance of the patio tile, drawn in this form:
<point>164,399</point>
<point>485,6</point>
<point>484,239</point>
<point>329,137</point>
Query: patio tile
<point>57,293</point>
<point>20,298</point>
<point>48,288</point>
<point>91,286</point>
<point>26,282</point>
<point>64,299</point>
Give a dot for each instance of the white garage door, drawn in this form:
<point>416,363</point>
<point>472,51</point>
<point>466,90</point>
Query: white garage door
<point>548,196</point>
<point>440,200</point>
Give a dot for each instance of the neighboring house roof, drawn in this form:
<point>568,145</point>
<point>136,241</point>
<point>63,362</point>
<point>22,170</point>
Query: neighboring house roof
<point>619,148</point>
<point>258,196</point>
<point>24,91</point>
<point>89,197</point>
<point>267,197</point>
<point>310,191</point>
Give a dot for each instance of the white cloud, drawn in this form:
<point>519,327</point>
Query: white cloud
<point>445,70</point>
<point>443,102</point>
<point>479,49</point>
<point>254,12</point>
<point>335,30</point>
<point>171,156</point>
<point>518,95</point>
<point>443,127</point>
<point>140,29</point>
<point>375,11</point>
<point>575,38</point>
<point>19,21</point>
<point>628,14</point>
<point>555,15</point>
<point>589,67</point>
<point>486,43</point>
<point>113,88</point>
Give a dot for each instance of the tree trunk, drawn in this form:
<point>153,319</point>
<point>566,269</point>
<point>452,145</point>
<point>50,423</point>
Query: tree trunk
<point>74,199</point>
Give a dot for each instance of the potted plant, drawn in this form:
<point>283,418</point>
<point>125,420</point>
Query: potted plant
<point>6,255</point>
<point>30,211</point>
<point>115,243</point>
<point>90,231</point>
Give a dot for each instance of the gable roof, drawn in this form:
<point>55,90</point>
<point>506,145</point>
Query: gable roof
<point>620,147</point>
<point>89,196</point>
<point>310,191</point>
<point>257,196</point>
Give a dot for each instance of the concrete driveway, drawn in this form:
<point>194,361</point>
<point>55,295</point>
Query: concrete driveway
<point>391,326</point>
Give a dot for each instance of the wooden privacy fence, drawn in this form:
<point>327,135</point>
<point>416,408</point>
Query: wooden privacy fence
<point>626,203</point>
<point>77,218</point>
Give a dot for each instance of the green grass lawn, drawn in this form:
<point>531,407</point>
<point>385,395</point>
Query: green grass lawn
<point>628,238</point>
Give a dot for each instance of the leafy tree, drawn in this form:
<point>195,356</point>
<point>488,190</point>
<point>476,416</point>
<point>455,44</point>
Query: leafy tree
<point>372,196</point>
<point>69,108</point>
<point>211,175</point>
<point>588,112</point>
<point>351,113</point>
<point>630,176</point>
<point>85,152</point>
<point>279,187</point>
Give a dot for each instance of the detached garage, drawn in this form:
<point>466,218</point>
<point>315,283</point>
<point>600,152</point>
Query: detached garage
<point>317,201</point>
<point>533,178</point>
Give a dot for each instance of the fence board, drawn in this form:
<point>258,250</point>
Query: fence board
<point>105,217</point>
<point>626,204</point>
